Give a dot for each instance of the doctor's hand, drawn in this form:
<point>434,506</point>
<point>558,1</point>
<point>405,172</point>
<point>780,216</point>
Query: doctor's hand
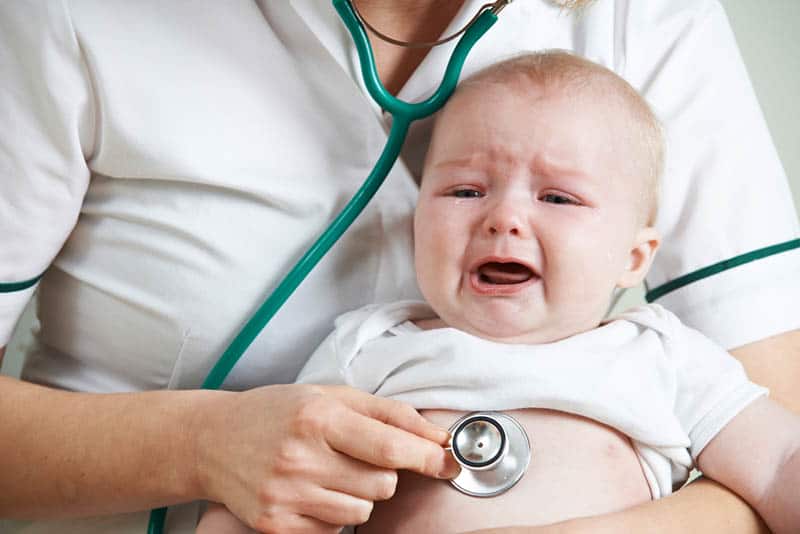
<point>311,459</point>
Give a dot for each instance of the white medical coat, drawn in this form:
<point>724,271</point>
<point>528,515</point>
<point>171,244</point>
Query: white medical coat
<point>167,162</point>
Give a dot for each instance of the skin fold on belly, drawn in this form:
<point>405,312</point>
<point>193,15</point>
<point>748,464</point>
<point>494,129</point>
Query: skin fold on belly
<point>578,468</point>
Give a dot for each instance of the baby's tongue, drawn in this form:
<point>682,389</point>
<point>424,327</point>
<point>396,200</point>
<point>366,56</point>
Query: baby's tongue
<point>504,273</point>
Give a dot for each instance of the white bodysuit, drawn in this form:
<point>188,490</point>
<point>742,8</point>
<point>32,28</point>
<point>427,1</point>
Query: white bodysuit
<point>165,163</point>
<point>666,386</point>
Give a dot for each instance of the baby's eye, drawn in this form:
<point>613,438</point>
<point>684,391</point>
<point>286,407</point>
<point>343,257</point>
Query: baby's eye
<point>466,193</point>
<point>555,198</point>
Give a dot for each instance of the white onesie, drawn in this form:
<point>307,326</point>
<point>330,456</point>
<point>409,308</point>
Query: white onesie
<point>665,385</point>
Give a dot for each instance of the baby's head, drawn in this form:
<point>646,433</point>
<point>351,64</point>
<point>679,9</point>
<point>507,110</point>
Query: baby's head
<point>538,199</point>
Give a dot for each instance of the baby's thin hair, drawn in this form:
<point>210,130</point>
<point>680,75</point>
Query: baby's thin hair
<point>557,70</point>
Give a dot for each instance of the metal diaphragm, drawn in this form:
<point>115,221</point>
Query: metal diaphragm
<point>493,451</point>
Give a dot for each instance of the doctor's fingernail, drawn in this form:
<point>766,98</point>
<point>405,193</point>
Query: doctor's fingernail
<point>442,436</point>
<point>451,468</point>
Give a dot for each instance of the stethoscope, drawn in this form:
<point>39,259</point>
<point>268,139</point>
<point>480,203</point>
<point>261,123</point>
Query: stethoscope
<point>493,451</point>
<point>403,114</point>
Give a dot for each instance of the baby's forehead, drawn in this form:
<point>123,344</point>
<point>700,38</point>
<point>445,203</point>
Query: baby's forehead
<point>503,113</point>
<point>527,92</point>
<point>556,72</point>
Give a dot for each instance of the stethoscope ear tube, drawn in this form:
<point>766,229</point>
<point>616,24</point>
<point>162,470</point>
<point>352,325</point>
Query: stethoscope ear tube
<point>403,113</point>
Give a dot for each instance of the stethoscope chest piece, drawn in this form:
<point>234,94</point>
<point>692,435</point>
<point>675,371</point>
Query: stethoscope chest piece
<point>493,451</point>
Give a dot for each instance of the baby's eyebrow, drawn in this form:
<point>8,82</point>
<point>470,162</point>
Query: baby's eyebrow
<point>462,163</point>
<point>553,167</point>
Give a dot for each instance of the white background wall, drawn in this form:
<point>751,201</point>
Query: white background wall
<point>765,31</point>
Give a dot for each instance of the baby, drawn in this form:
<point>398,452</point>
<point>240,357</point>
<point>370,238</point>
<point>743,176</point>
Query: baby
<point>538,200</point>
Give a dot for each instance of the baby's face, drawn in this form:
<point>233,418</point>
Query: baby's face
<point>528,216</point>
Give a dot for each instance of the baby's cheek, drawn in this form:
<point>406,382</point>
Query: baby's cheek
<point>583,277</point>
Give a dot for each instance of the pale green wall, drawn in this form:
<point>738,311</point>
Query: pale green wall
<point>765,31</point>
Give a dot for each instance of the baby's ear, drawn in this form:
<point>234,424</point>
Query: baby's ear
<point>640,257</point>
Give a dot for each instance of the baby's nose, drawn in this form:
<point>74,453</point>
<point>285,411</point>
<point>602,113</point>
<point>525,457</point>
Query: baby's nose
<point>505,219</point>
<point>500,228</point>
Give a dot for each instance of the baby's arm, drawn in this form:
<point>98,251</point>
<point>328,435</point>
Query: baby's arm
<point>757,455</point>
<point>219,520</point>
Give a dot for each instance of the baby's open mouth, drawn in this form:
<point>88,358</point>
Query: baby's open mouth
<point>504,273</point>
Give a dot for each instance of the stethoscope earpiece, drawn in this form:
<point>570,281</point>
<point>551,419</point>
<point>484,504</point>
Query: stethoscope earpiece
<point>493,450</point>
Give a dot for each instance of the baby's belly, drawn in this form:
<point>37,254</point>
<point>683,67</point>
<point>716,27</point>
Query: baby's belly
<point>578,468</point>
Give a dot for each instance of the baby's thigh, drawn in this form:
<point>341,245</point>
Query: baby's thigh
<point>219,520</point>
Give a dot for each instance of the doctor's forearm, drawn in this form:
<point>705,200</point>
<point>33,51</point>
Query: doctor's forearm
<point>68,454</point>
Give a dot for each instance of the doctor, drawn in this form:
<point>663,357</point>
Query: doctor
<point>165,163</point>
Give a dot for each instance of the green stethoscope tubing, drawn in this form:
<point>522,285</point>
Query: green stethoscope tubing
<point>718,267</point>
<point>403,114</point>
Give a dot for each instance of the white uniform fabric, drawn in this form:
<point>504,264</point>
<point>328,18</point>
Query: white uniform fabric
<point>167,162</point>
<point>666,386</point>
